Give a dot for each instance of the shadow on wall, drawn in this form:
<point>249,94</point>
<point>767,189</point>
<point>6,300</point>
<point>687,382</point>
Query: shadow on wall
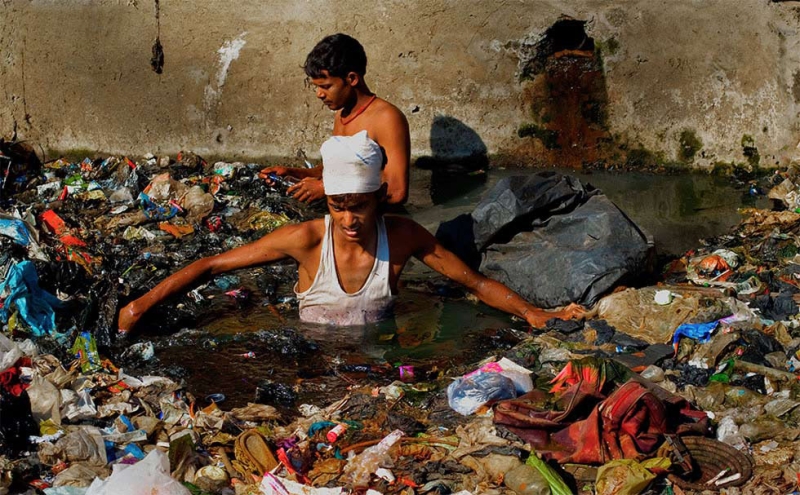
<point>458,162</point>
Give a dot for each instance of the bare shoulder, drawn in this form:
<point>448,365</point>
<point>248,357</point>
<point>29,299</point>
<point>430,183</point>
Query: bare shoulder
<point>405,229</point>
<point>388,112</point>
<point>303,235</point>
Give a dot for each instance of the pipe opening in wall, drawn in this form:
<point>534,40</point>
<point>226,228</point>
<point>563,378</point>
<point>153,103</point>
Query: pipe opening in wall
<point>565,89</point>
<point>565,35</point>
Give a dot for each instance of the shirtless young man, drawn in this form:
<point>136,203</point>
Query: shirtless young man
<point>349,262</point>
<point>336,67</point>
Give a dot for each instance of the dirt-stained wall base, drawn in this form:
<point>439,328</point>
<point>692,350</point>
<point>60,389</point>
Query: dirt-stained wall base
<point>691,83</point>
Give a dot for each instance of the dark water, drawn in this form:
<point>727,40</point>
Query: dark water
<point>676,210</point>
<point>435,328</point>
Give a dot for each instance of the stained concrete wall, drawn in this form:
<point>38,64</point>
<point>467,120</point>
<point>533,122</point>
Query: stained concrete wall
<point>75,74</point>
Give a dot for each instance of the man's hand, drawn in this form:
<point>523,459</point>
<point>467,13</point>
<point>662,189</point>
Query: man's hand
<point>128,317</point>
<point>307,190</point>
<point>280,171</point>
<point>538,318</point>
<point>573,311</point>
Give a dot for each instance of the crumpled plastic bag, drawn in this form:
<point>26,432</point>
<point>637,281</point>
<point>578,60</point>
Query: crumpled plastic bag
<point>150,475</point>
<point>634,312</point>
<point>79,475</point>
<point>198,203</point>
<point>255,412</point>
<point>468,393</point>
<point>78,405</point>
<point>45,400</point>
<point>9,353</point>
<point>35,306</point>
<point>121,195</point>
<point>163,188</point>
<point>787,193</point>
<point>84,445</point>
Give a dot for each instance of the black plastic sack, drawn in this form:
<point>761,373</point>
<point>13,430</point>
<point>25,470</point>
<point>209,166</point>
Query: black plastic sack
<point>549,238</point>
<point>509,208</point>
<point>16,423</point>
<point>517,201</point>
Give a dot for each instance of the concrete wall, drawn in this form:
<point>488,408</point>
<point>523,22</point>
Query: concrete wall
<point>75,74</point>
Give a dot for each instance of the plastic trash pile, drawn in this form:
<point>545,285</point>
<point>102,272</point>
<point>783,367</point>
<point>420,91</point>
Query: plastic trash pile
<point>688,386</point>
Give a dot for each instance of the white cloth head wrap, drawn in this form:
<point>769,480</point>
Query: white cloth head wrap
<point>351,164</point>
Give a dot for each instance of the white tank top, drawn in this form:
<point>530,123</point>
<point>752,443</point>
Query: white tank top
<point>326,302</point>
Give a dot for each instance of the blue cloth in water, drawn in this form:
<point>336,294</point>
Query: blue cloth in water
<point>35,305</point>
<point>700,332</point>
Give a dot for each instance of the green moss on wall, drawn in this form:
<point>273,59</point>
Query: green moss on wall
<point>690,144</point>
<point>750,151</point>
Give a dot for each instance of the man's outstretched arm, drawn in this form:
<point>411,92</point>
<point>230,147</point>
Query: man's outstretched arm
<point>275,246</point>
<point>491,292</point>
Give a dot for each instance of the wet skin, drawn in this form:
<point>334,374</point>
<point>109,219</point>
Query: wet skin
<point>355,241</point>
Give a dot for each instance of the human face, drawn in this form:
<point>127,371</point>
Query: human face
<point>355,217</point>
<point>333,91</point>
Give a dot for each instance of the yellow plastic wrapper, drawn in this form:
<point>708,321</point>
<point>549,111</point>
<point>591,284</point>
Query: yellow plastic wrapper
<point>266,221</point>
<point>622,477</point>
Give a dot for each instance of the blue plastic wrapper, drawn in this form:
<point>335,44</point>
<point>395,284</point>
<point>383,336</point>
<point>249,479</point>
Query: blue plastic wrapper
<point>154,212</point>
<point>467,394</point>
<point>16,230</point>
<point>35,306</point>
<point>700,332</point>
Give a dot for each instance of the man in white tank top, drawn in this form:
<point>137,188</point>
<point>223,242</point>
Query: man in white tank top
<point>348,263</point>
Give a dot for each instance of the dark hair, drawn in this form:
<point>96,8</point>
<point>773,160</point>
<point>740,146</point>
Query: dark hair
<point>339,54</point>
<point>349,199</point>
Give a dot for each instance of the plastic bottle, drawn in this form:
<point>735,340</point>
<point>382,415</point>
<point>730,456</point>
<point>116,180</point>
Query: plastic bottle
<point>335,432</point>
<point>360,468</point>
<point>526,480</point>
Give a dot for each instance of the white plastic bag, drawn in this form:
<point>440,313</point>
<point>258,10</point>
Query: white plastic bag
<point>45,400</point>
<point>9,353</point>
<point>272,485</point>
<point>468,393</point>
<point>150,476</point>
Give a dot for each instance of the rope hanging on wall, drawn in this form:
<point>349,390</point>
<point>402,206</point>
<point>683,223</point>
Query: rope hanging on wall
<point>157,61</point>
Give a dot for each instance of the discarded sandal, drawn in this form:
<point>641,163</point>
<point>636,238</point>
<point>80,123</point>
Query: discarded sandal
<point>253,453</point>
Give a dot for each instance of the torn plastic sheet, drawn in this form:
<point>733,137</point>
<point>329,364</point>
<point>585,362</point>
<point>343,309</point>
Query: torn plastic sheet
<point>35,306</point>
<point>23,234</point>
